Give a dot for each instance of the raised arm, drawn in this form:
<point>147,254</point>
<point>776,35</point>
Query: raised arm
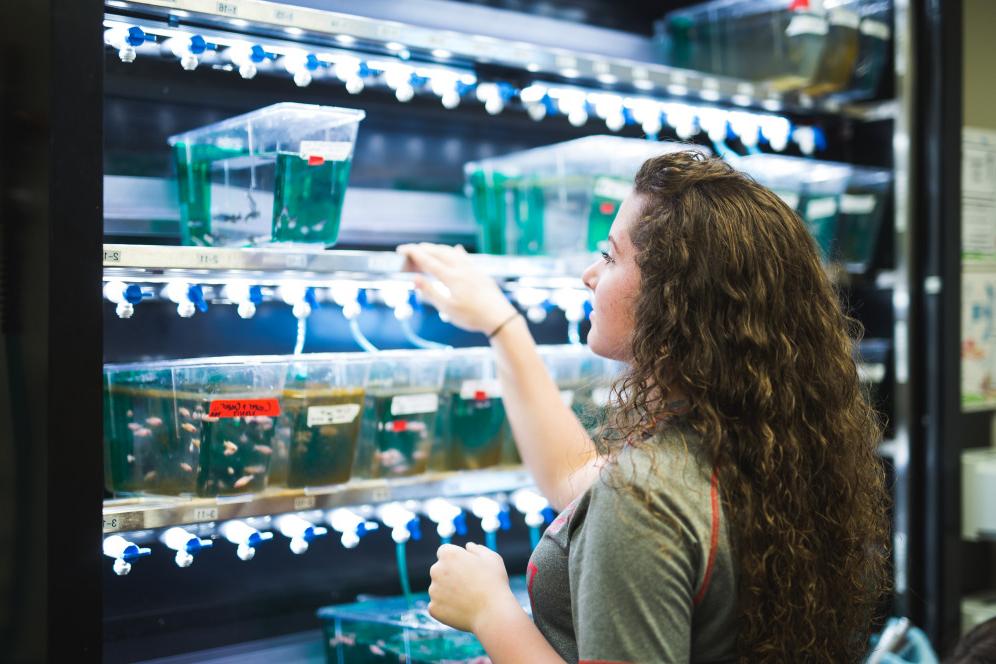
<point>553,445</point>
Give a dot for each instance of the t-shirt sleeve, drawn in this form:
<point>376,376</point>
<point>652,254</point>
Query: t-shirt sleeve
<point>634,567</point>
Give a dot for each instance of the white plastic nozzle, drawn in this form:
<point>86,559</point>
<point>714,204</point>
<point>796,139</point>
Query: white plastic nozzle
<point>571,301</point>
<point>184,543</point>
<point>348,523</point>
<point>244,537</point>
<point>442,512</point>
<point>299,530</point>
<point>123,552</point>
<point>487,510</point>
<point>396,517</point>
<point>531,505</point>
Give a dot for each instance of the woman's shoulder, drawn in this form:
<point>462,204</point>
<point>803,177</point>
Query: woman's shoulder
<point>673,459</point>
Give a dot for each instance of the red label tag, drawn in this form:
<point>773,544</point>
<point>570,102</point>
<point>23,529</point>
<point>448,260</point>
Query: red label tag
<point>607,207</point>
<point>480,395</point>
<point>399,426</point>
<point>316,160</point>
<point>245,408</point>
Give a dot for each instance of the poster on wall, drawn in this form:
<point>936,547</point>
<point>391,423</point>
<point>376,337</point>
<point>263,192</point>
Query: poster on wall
<point>978,197</point>
<point>978,285</point>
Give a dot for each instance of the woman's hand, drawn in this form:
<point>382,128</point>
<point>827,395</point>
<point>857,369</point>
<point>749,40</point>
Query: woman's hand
<point>468,297</point>
<point>469,586</point>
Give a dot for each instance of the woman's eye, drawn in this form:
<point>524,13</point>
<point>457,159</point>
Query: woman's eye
<point>606,257</point>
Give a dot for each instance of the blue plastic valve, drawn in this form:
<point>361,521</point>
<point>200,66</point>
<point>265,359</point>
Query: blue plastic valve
<point>415,528</point>
<point>548,514</point>
<point>819,139</point>
<point>460,523</point>
<point>504,520</point>
<point>197,45</point>
<point>133,294</point>
<point>257,54</point>
<point>136,36</point>
<point>587,308</point>
<point>312,62</point>
<point>195,544</point>
<point>255,294</point>
<point>196,295</point>
<point>309,297</point>
<point>551,105</point>
<point>362,298</point>
<point>132,553</point>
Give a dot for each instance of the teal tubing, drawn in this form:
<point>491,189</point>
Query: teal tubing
<point>446,540</point>
<point>491,540</point>
<point>417,341</point>
<point>359,337</point>
<point>406,587</point>
<point>534,536</point>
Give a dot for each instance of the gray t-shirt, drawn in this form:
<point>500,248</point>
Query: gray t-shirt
<point>646,578</point>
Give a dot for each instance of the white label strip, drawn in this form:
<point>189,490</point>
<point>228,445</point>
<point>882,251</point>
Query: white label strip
<point>327,150</point>
<point>820,208</point>
<point>845,18</point>
<point>806,24</point>
<point>612,188</point>
<point>791,199</point>
<point>322,415</point>
<point>472,389</point>
<point>857,204</point>
<point>567,396</point>
<point>871,373</point>
<point>412,404</point>
<point>875,29</point>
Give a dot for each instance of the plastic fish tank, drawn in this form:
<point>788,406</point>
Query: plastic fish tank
<point>400,413</point>
<point>317,432</point>
<point>201,427</point>
<point>472,422</point>
<point>275,175</point>
<point>841,205</point>
<point>792,45</point>
<point>395,630</point>
<point>584,380</point>
<point>556,200</point>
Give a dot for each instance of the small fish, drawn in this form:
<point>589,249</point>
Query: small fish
<point>134,426</point>
<point>231,471</point>
<point>154,421</point>
<point>243,439</point>
<point>149,476</point>
<point>186,467</point>
<point>188,427</point>
<point>208,418</point>
<point>195,442</point>
<point>254,470</point>
<point>263,449</point>
<point>391,457</point>
<point>184,412</point>
<point>248,419</point>
<point>131,458</point>
<point>130,413</point>
<point>242,481</point>
<point>230,448</point>
<point>143,432</point>
<point>377,650</point>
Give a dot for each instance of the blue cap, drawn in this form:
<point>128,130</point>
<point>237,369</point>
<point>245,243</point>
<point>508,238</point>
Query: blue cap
<point>197,45</point>
<point>196,295</point>
<point>257,53</point>
<point>415,528</point>
<point>136,36</point>
<point>255,294</point>
<point>133,293</point>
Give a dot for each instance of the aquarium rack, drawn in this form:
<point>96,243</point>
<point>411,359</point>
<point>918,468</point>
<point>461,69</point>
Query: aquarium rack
<point>153,512</point>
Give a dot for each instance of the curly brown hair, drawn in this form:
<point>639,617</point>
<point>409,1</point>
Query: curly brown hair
<point>736,314</point>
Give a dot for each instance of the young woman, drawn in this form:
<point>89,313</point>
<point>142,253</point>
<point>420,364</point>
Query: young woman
<point>734,508</point>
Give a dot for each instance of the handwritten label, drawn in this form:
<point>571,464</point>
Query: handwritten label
<point>304,502</point>
<point>380,494</point>
<point>612,188</point>
<point>857,204</point>
<point>112,256</point>
<point>479,390</point>
<point>244,408</point>
<point>208,259</point>
<point>412,404</point>
<point>326,150</point>
<point>111,524</point>
<point>322,415</point>
<point>227,8</point>
<point>821,208</point>
<point>204,514</point>
<point>296,261</point>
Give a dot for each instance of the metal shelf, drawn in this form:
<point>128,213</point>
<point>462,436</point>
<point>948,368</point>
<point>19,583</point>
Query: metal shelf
<point>214,264</point>
<point>308,24</point>
<point>149,513</point>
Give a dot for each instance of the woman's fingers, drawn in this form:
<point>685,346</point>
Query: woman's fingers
<point>428,260</point>
<point>432,292</point>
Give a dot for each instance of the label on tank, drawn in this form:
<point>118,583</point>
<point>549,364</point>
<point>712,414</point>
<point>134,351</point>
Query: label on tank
<point>791,199</point>
<point>857,204</point>
<point>875,29</point>
<point>341,414</point>
<point>326,150</point>
<point>846,18</point>
<point>806,24</point>
<point>820,208</point>
<point>612,188</point>
<point>412,404</point>
<point>244,408</point>
<point>480,389</point>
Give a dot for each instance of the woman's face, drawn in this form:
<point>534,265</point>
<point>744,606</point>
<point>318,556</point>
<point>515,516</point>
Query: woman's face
<point>614,280</point>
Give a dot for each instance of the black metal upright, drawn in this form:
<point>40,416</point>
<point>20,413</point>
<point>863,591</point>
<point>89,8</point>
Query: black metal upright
<point>936,294</point>
<point>52,64</point>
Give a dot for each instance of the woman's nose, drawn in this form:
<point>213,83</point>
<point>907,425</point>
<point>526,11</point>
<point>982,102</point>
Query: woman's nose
<point>590,276</point>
